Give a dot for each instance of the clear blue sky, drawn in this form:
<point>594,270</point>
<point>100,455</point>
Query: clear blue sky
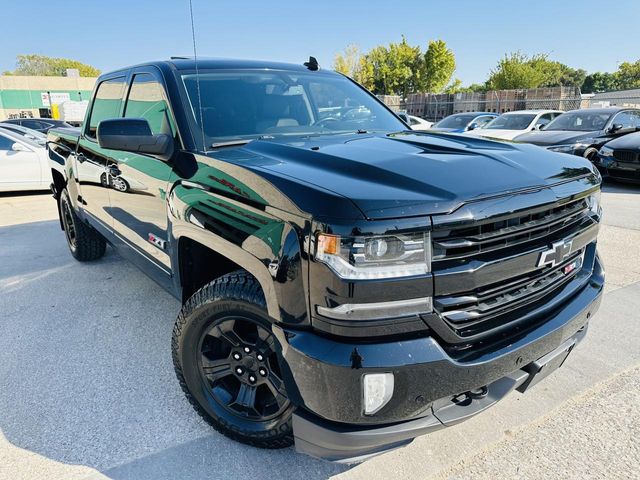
<point>589,34</point>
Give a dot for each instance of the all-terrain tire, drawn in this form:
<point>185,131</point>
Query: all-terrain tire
<point>85,243</point>
<point>235,295</point>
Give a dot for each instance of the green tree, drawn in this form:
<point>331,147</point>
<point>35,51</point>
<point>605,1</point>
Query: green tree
<point>628,75</point>
<point>571,77</point>
<point>404,62</point>
<point>517,70</point>
<point>400,68</point>
<point>455,86</point>
<point>50,67</point>
<point>392,70</point>
<point>599,82</point>
<point>439,65</point>
<point>349,62</point>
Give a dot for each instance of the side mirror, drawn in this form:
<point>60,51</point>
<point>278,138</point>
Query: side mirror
<point>472,126</point>
<point>615,127</point>
<point>18,147</point>
<point>134,135</point>
<point>539,126</point>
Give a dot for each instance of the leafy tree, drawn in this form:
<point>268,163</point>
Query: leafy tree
<point>399,68</point>
<point>628,75</point>
<point>455,86</point>
<point>349,62</point>
<point>438,68</point>
<point>517,70</point>
<point>50,67</point>
<point>599,82</point>
<point>477,87</point>
<point>405,65</point>
<point>571,77</point>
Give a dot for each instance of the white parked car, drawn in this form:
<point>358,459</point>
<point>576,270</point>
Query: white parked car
<point>416,123</point>
<point>511,124</point>
<point>23,163</point>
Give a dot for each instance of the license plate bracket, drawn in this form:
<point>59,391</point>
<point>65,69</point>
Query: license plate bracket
<point>541,368</point>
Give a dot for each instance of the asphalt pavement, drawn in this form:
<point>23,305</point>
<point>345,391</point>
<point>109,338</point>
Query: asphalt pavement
<point>87,388</point>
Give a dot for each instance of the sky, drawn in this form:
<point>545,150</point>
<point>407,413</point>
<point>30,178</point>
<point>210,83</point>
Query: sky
<point>109,34</point>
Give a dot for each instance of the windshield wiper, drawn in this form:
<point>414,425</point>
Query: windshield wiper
<point>240,142</point>
<point>231,143</point>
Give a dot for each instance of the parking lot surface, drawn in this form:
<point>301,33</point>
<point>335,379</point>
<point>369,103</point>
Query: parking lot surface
<point>87,388</point>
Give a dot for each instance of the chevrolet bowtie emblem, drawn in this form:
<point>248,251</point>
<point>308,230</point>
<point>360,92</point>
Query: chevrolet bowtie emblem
<point>556,254</point>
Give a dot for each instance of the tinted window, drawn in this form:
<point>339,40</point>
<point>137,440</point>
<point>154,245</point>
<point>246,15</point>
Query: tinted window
<point>34,124</point>
<point>627,119</point>
<point>512,121</point>
<point>6,143</point>
<point>247,104</point>
<point>455,121</point>
<point>147,100</point>
<point>545,119</point>
<point>106,104</point>
<point>581,121</point>
<point>482,121</point>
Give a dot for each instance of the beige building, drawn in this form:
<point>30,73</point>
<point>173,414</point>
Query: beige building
<point>31,97</point>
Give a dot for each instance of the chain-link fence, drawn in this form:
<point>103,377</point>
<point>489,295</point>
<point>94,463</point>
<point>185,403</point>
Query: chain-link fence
<point>434,107</point>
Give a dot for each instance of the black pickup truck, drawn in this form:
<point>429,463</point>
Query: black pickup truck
<point>347,283</point>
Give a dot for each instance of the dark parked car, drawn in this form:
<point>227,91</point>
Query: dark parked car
<point>347,283</point>
<point>620,158</point>
<point>463,122</point>
<point>583,132</point>
<point>42,125</point>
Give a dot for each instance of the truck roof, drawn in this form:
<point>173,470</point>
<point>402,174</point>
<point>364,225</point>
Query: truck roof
<point>210,63</point>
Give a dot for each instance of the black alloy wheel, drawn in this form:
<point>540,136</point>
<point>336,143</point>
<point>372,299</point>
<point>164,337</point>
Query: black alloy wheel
<point>226,359</point>
<point>238,362</point>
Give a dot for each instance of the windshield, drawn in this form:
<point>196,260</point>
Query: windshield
<point>583,121</point>
<point>511,121</point>
<point>31,136</point>
<point>454,121</point>
<point>242,105</point>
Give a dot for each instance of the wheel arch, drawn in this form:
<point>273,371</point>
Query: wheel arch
<point>201,257</point>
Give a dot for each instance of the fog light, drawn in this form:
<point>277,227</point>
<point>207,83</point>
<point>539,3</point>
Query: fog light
<point>377,390</point>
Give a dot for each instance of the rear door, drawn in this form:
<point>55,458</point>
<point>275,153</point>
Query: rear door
<point>138,182</point>
<point>91,160</point>
<point>18,169</point>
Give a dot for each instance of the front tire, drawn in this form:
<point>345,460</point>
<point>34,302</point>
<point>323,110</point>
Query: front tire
<point>225,357</point>
<point>84,242</point>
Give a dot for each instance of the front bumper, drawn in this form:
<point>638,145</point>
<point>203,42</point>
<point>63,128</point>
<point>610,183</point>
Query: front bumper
<point>611,168</point>
<point>323,378</point>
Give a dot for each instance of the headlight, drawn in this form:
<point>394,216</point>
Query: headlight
<point>606,151</point>
<point>562,148</point>
<point>384,256</point>
<point>593,201</point>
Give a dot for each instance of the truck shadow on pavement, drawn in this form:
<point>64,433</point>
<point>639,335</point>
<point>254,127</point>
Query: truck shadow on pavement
<point>86,376</point>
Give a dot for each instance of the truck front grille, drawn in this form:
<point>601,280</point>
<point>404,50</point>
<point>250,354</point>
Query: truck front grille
<point>486,308</point>
<point>487,274</point>
<point>523,230</point>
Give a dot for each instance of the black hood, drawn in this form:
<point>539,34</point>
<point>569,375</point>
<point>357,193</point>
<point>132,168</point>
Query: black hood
<point>626,142</point>
<point>546,138</point>
<point>406,174</point>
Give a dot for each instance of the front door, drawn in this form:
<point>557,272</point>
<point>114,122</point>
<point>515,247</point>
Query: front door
<point>138,182</point>
<point>18,168</point>
<point>91,160</point>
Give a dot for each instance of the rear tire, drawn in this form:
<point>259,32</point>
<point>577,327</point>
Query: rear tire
<point>84,242</point>
<point>225,358</point>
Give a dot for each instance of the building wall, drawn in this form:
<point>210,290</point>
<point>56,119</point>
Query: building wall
<point>26,96</point>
